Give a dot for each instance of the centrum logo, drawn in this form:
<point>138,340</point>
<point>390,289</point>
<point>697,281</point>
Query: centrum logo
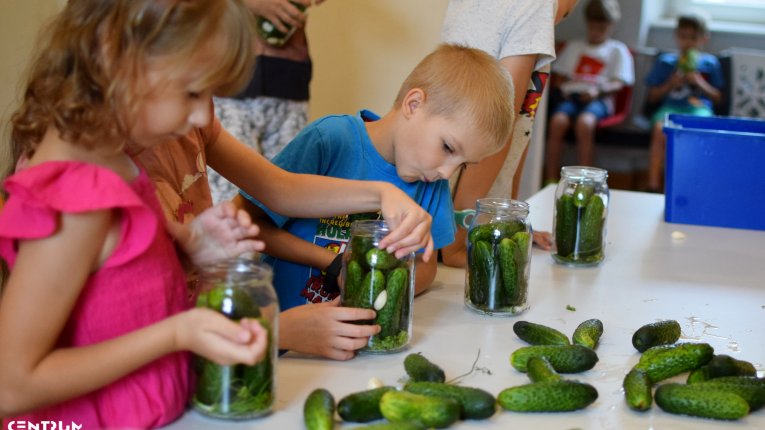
<point>43,425</point>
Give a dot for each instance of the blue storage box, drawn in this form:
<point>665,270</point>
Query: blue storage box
<point>715,171</point>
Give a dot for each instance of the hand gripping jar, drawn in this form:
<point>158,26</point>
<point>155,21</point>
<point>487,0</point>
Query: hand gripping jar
<point>581,210</point>
<point>499,247</point>
<point>238,288</point>
<point>375,279</point>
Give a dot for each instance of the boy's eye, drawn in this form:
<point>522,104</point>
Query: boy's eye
<point>448,149</point>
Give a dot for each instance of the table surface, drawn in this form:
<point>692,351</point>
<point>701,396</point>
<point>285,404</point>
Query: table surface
<point>710,281</point>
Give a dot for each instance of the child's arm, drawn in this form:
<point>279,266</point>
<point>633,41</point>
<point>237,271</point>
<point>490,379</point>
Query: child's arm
<point>424,274</point>
<point>42,290</point>
<point>313,196</point>
<point>709,90</point>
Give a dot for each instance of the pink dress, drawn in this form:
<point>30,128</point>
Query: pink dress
<point>141,283</point>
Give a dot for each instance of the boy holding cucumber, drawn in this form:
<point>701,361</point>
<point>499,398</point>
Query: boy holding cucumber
<point>454,109</point>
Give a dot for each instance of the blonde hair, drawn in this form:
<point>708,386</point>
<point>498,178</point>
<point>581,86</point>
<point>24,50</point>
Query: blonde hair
<point>469,83</point>
<point>88,74</point>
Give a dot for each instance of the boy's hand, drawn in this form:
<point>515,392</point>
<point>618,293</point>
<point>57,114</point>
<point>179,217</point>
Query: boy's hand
<point>325,329</point>
<point>213,336</point>
<point>542,239</point>
<point>409,224</point>
<point>218,233</point>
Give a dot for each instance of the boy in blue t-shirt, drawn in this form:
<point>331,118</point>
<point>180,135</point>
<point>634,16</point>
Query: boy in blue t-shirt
<point>688,82</point>
<point>454,109</point>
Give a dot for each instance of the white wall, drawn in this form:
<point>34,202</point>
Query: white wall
<point>19,24</point>
<point>363,50</point>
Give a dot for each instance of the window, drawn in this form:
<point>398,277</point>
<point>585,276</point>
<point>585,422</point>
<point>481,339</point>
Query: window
<point>748,11</point>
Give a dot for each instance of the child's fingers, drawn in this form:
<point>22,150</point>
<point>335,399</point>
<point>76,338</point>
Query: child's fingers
<point>342,313</point>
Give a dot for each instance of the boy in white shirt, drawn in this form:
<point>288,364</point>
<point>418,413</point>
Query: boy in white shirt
<point>588,74</point>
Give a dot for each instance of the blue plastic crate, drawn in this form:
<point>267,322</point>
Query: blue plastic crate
<point>715,171</point>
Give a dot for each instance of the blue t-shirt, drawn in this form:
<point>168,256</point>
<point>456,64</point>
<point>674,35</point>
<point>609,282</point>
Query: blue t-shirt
<point>339,146</point>
<point>686,96</point>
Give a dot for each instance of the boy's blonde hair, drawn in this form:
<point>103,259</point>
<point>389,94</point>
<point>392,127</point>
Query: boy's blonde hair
<point>467,84</point>
<point>86,79</point>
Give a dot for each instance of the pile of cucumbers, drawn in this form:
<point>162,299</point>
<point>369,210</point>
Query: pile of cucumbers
<point>375,279</point>
<point>579,226</point>
<point>498,253</point>
<point>718,386</point>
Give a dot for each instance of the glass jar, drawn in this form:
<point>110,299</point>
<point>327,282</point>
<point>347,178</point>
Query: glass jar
<point>374,279</point>
<point>581,210</point>
<point>268,31</point>
<point>238,288</point>
<point>498,247</point>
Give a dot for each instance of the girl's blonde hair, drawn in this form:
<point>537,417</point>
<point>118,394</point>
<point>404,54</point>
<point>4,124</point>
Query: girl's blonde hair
<point>467,84</point>
<point>87,77</point>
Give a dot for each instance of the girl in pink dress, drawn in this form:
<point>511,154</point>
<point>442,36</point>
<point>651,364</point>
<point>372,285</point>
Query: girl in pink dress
<point>95,319</point>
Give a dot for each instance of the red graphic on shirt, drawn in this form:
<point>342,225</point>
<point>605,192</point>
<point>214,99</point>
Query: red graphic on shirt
<point>588,67</point>
<point>314,290</point>
<point>534,94</point>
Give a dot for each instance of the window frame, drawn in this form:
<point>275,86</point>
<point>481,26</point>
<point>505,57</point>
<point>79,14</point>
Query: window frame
<point>724,11</point>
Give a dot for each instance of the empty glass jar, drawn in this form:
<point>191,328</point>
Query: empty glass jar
<point>499,246</point>
<point>375,279</point>
<point>581,210</point>
<point>238,288</point>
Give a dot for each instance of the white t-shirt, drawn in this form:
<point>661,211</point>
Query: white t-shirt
<point>505,28</point>
<point>583,62</point>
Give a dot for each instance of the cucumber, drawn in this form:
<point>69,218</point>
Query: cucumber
<point>420,369</point>
<point>588,333</point>
<point>480,272</point>
<point>637,390</point>
<point>582,194</point>
<point>509,271</point>
<point>698,402</point>
<point>563,358</point>
<point>742,380</point>
<point>359,246</point>
<point>721,365</point>
<point>372,285</point>
<point>540,370</point>
<point>538,334</point>
<point>495,231</point>
<point>403,406</point>
<point>354,279</point>
<point>668,362</point>
<point>591,227</point>
<point>565,225</point>
<point>380,259</point>
<point>753,394</point>
<point>390,426</point>
<point>554,396</point>
<point>475,403</point>
<point>389,317</point>
<point>319,410</point>
<point>523,239</point>
<point>362,406</point>
<point>659,333</point>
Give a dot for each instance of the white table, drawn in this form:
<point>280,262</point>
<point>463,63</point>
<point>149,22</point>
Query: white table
<point>712,282</point>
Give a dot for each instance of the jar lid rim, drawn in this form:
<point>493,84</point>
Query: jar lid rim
<point>583,172</point>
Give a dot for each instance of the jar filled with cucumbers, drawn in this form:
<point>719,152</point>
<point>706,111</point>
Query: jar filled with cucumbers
<point>499,246</point>
<point>374,279</point>
<point>581,210</point>
<point>238,288</point>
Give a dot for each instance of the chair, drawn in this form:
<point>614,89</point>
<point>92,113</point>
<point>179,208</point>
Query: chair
<point>622,106</point>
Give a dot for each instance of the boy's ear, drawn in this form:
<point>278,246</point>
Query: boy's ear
<point>413,100</point>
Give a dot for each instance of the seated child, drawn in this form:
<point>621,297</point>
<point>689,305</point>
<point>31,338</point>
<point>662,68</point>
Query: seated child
<point>454,109</point>
<point>688,82</point>
<point>587,73</point>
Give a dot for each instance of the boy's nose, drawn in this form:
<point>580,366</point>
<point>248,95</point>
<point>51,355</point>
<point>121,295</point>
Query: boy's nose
<point>446,172</point>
